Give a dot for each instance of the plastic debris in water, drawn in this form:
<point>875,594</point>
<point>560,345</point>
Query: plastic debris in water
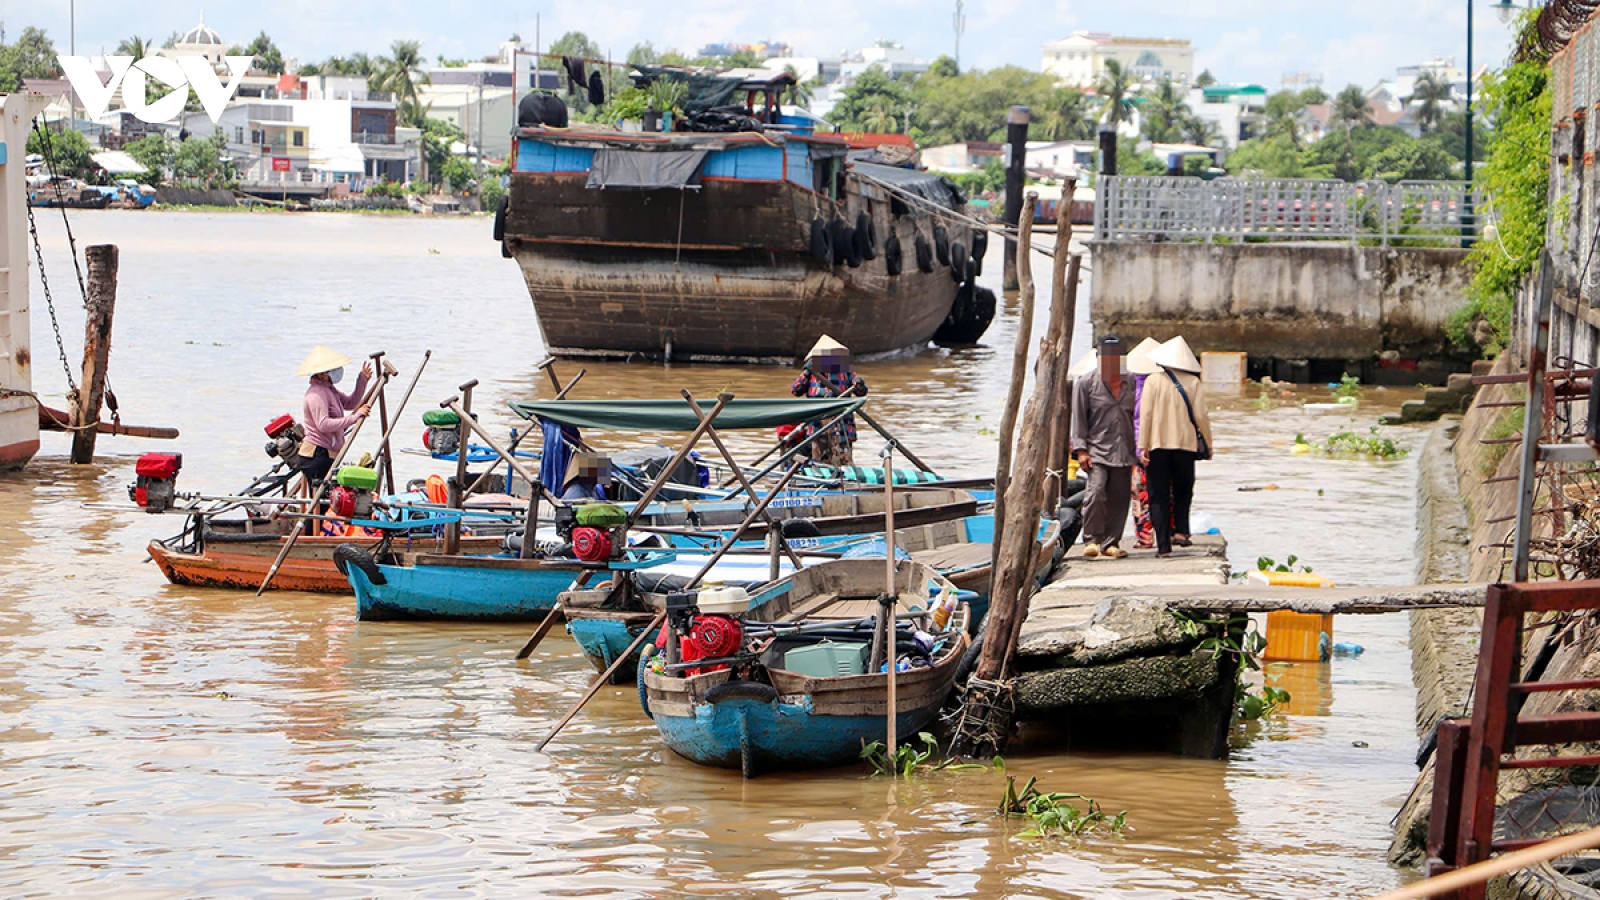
<point>1346,648</point>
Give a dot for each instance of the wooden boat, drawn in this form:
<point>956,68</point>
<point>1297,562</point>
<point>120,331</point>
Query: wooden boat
<point>761,716</point>
<point>232,554</point>
<point>733,246</point>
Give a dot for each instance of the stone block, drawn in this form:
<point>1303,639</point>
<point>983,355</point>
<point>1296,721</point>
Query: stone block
<point>1461,383</point>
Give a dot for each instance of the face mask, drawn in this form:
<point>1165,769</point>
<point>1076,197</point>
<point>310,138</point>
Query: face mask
<point>335,374</point>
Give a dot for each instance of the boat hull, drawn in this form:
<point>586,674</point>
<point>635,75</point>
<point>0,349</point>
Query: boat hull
<point>720,273</point>
<point>19,432</point>
<point>459,593</point>
<point>309,567</point>
<point>756,736</point>
<point>606,635</point>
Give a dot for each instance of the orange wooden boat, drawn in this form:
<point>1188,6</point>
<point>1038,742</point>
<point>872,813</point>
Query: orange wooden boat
<point>227,556</point>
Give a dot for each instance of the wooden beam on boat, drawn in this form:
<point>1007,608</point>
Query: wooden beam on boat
<point>59,420</point>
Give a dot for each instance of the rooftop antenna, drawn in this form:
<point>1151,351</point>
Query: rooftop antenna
<point>960,22</point>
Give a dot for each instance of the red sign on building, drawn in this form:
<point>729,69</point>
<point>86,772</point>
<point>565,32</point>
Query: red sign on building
<point>280,164</point>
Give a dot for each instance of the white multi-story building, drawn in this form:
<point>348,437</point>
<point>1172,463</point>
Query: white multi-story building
<point>1079,59</point>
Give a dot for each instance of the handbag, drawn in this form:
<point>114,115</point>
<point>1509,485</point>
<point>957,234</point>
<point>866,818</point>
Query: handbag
<point>1204,451</point>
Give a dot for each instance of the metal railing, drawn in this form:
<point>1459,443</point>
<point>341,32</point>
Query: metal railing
<point>1237,210</point>
<point>371,137</point>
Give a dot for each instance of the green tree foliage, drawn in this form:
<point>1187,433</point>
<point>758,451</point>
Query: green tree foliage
<point>973,106</point>
<point>873,99</point>
<point>643,55</point>
<point>1350,109</point>
<point>1115,88</point>
<point>944,67</point>
<point>1205,79</point>
<point>400,74</point>
<point>1132,161</point>
<point>1201,131</point>
<point>1411,159</point>
<point>437,136</point>
<point>203,162</point>
<point>157,153</point>
<point>1067,116</point>
<point>1429,96</point>
<point>992,180</point>
<point>355,64</point>
<point>267,56</point>
<point>1516,179</point>
<point>1283,116</point>
<point>135,46</point>
<point>457,173</point>
<point>1452,136</point>
<point>1164,112</point>
<point>575,43</point>
<point>68,151</point>
<point>32,56</point>
<point>1273,156</point>
<point>1313,95</point>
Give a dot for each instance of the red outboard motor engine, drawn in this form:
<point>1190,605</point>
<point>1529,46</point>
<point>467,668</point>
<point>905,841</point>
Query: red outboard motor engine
<point>157,484</point>
<point>283,438</point>
<point>711,637</point>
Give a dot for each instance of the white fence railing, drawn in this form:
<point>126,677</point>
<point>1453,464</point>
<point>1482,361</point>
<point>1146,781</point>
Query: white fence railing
<point>1407,213</point>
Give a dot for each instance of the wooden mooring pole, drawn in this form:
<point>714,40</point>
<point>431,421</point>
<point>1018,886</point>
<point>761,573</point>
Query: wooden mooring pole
<point>1063,293</point>
<point>1019,365</point>
<point>1017,119</point>
<point>102,302</point>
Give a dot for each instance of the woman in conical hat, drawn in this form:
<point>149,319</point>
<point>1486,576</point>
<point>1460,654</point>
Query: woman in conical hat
<point>827,373</point>
<point>1140,367</point>
<point>1174,432</point>
<point>327,411</point>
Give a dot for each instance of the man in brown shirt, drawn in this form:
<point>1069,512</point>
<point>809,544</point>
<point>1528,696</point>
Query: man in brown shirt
<point>1102,441</point>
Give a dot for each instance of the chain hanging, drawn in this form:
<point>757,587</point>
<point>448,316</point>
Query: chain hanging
<point>49,302</point>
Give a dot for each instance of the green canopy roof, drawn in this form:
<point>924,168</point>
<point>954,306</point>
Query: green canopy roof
<point>675,415</point>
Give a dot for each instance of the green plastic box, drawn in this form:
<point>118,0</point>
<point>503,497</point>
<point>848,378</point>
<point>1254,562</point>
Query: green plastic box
<point>600,515</point>
<point>358,478</point>
<point>828,659</point>
<point>441,418</point>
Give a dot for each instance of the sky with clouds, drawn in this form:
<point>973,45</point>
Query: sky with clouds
<point>1238,40</point>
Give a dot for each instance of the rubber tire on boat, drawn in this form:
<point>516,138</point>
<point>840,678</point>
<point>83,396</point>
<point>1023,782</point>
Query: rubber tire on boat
<point>941,245</point>
<point>969,659</point>
<point>980,248</point>
<point>866,237</point>
<point>821,247</point>
<point>924,253</point>
<point>500,219</point>
<point>852,248</point>
<point>505,250</point>
<point>959,261</point>
<point>893,260</point>
<point>799,528</point>
<point>840,240</point>
<point>644,692</point>
<point>742,690</point>
<point>346,555</point>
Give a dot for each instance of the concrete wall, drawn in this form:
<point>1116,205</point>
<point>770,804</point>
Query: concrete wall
<point>1281,301</point>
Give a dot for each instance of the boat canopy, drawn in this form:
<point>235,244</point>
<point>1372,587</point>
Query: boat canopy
<point>675,415</point>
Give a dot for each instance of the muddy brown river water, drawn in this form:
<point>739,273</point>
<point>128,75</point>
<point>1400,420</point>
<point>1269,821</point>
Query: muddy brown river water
<point>160,741</point>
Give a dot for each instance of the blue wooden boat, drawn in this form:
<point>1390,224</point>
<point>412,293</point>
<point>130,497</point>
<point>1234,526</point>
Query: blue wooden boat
<point>769,714</point>
<point>498,588</point>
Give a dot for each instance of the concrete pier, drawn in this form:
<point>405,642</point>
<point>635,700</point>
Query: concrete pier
<point>1102,655</point>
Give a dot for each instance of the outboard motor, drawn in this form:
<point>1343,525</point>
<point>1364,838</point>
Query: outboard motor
<point>157,484</point>
<point>352,499</point>
<point>284,435</point>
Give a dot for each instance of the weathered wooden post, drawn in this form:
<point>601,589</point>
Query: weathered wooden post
<point>102,302</point>
<point>1063,292</point>
<point>1016,168</point>
<point>458,484</point>
<point>1019,366</point>
<point>985,721</point>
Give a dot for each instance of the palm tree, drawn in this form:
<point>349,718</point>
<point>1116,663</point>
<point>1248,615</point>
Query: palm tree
<point>1202,132</point>
<point>879,118</point>
<point>136,47</point>
<point>1430,94</point>
<point>399,75</point>
<point>1164,112</point>
<point>801,92</point>
<point>1067,118</point>
<point>1114,87</point>
<point>1350,109</point>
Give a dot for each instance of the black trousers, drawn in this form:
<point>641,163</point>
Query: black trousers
<point>1170,480</point>
<point>316,466</point>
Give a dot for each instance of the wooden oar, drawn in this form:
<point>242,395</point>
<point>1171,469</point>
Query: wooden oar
<point>649,631</point>
<point>890,651</point>
<point>322,491</point>
<point>385,459</point>
<point>655,625</point>
<point>545,625</point>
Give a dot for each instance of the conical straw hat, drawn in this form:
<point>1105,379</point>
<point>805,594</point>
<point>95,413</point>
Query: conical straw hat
<point>322,360</point>
<point>1086,363</point>
<point>1139,360</point>
<point>823,345</point>
<point>1175,354</point>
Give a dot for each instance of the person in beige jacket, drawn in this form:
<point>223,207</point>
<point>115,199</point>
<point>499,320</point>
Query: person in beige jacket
<point>1174,431</point>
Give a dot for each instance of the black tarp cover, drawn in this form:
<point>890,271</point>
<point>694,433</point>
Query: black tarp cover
<point>646,169</point>
<point>706,90</point>
<point>926,185</point>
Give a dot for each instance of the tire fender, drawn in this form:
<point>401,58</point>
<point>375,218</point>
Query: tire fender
<point>866,237</point>
<point>347,555</point>
<point>500,218</point>
<point>742,690</point>
<point>959,260</point>
<point>941,245</point>
<point>980,249</point>
<point>924,254</point>
<point>821,247</point>
<point>893,260</point>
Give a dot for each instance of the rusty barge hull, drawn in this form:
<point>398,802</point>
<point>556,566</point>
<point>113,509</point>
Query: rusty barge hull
<point>722,273</point>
